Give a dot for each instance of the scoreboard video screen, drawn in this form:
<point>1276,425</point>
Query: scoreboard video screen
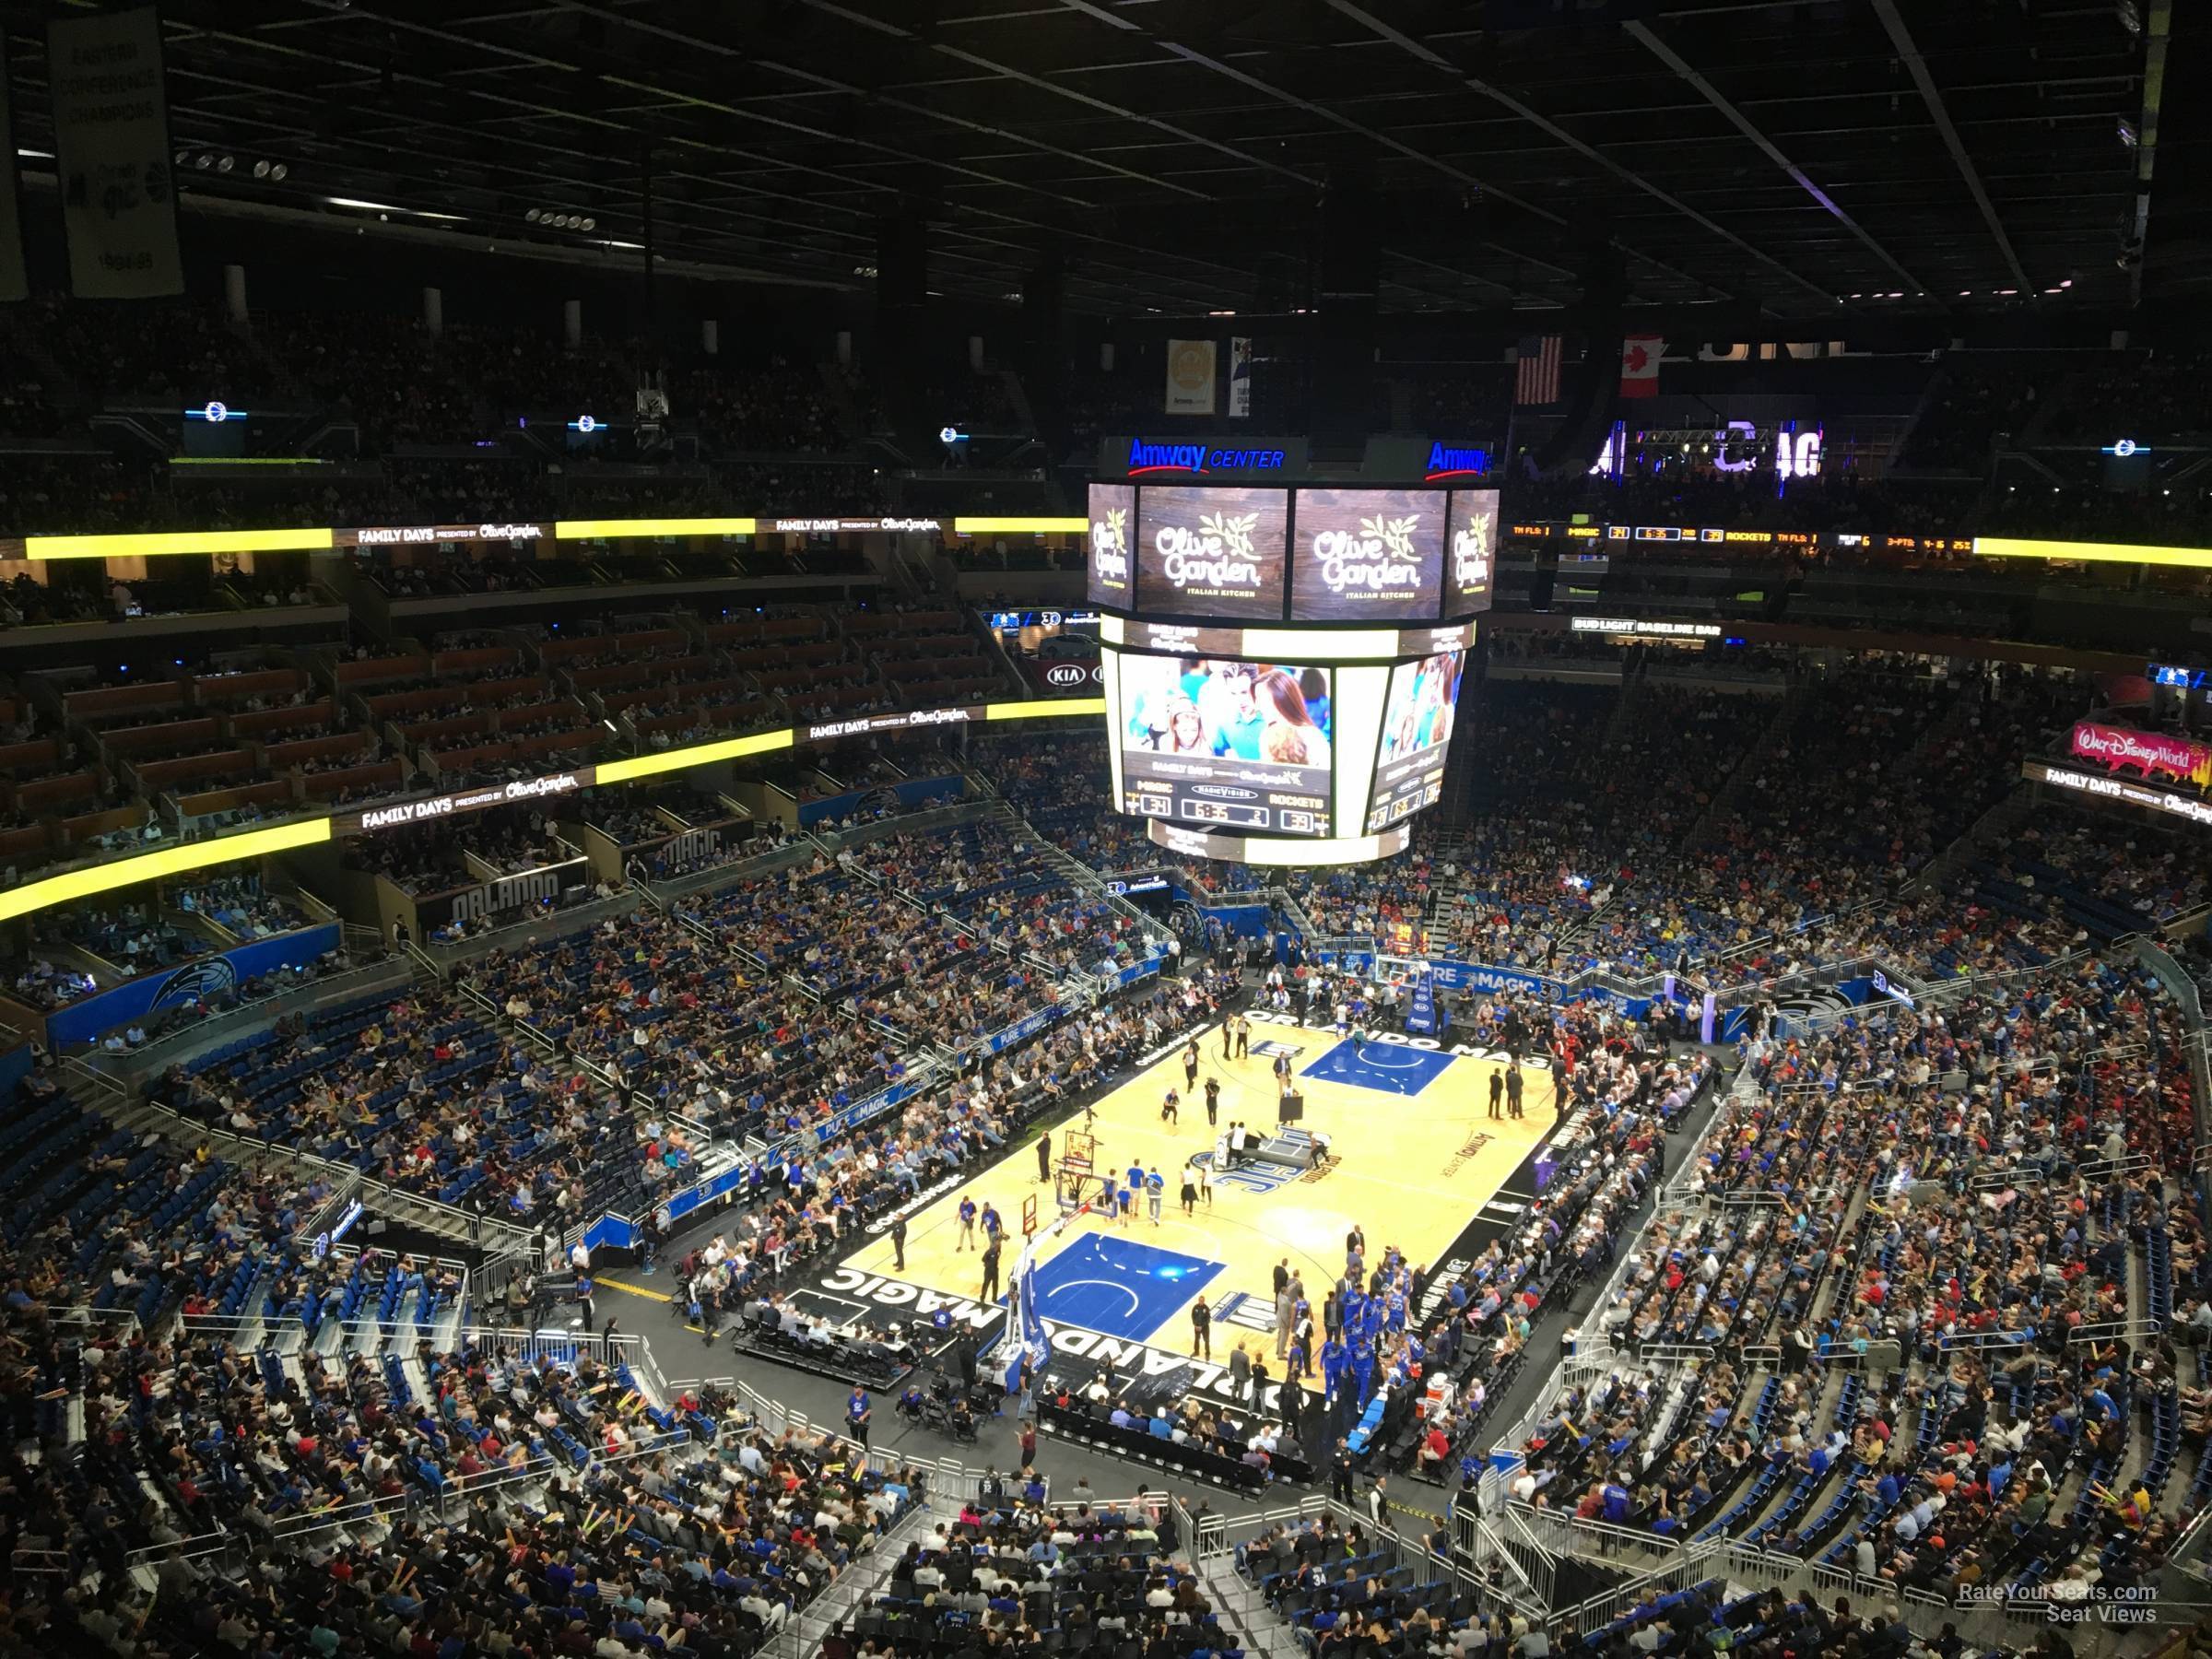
<point>1212,552</point>
<point>1229,744</point>
<point>1196,553</point>
<point>1418,712</point>
<point>1367,555</point>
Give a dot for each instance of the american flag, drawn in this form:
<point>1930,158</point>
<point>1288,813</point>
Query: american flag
<point>1536,370</point>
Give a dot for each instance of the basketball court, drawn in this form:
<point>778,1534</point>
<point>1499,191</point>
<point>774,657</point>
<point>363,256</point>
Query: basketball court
<point>1414,1155</point>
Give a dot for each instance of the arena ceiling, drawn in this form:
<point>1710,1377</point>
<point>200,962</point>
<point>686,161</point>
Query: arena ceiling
<point>1181,155</point>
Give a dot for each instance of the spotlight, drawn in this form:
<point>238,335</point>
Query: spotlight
<point>183,158</point>
<point>204,161</point>
<point>533,215</point>
<point>590,224</point>
<point>261,169</point>
<point>279,174</point>
<point>226,164</point>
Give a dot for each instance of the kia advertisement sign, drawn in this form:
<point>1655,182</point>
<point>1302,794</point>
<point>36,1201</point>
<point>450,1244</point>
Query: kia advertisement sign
<point>2121,748</point>
<point>1063,676</point>
<point>1212,552</point>
<point>1113,533</point>
<point>1367,555</point>
<point>1471,551</point>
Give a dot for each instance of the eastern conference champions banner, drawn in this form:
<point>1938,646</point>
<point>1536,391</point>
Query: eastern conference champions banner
<point>1190,378</point>
<point>110,125</point>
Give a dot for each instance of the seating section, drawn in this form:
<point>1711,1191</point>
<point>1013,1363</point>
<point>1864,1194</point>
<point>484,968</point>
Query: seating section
<point>1333,1584</point>
<point>1086,1579</point>
<point>417,1091</point>
<point>1890,1313</point>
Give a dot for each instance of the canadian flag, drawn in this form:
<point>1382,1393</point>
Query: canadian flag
<point>1639,356</point>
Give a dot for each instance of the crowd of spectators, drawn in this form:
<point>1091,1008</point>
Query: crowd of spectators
<point>242,905</point>
<point>722,1532</point>
<point>1938,1395</point>
<point>417,1091</point>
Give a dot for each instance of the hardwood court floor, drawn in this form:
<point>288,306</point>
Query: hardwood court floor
<point>1417,1156</point>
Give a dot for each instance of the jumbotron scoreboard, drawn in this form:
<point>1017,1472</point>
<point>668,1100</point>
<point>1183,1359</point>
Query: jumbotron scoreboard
<point>1282,666</point>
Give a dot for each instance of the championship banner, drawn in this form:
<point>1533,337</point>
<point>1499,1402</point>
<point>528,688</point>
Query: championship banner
<point>14,283</point>
<point>110,129</point>
<point>1190,378</point>
<point>2122,748</point>
<point>1239,377</point>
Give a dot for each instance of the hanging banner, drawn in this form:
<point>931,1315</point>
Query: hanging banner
<point>110,127</point>
<point>14,283</point>
<point>1190,378</point>
<point>1239,377</point>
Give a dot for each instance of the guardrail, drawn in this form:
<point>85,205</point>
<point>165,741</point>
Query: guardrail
<point>451,1220</point>
<point>948,1477</point>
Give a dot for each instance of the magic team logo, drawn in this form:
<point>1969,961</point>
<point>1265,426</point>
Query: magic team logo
<point>202,982</point>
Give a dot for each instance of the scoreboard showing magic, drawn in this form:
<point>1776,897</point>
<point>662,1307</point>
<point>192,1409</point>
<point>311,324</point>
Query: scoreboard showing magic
<point>1284,664</point>
<point>1246,745</point>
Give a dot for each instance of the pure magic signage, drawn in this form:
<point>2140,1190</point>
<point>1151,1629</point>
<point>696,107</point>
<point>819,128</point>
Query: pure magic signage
<point>1111,539</point>
<point>1471,551</point>
<point>1363,555</point>
<point>1210,552</point>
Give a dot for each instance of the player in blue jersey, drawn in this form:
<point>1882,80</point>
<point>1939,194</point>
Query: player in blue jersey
<point>1336,1370</point>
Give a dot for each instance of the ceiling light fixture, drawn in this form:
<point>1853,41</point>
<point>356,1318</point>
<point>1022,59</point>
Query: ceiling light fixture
<point>360,206</point>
